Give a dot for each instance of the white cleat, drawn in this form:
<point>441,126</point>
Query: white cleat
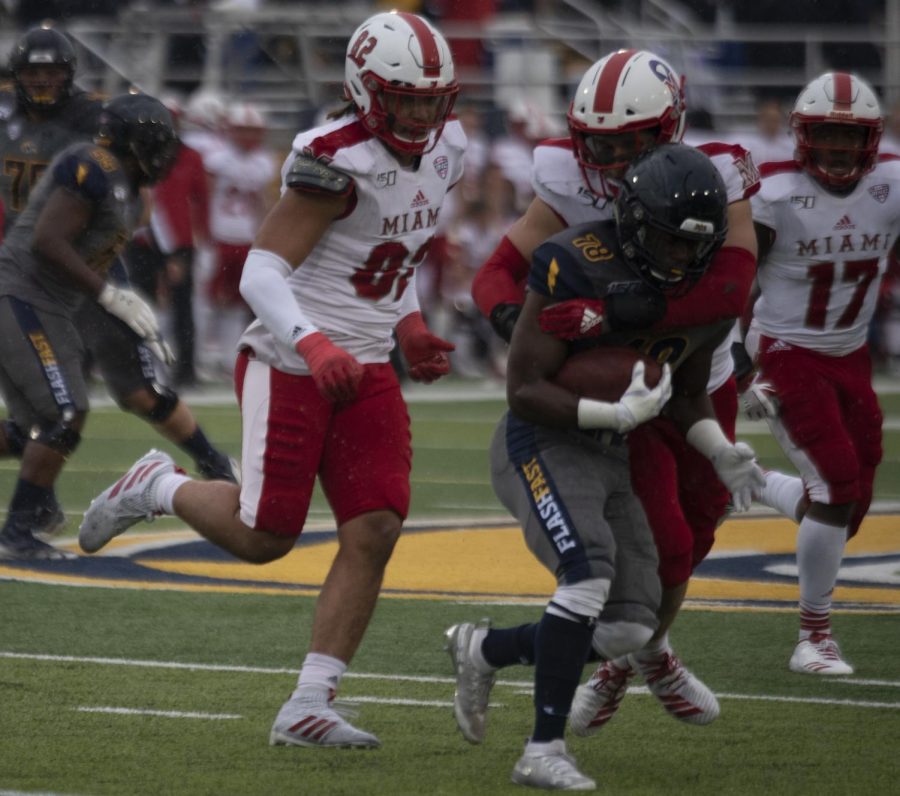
<point>682,694</point>
<point>819,654</point>
<point>553,769</point>
<point>314,723</point>
<point>126,502</point>
<point>473,685</point>
<point>597,701</point>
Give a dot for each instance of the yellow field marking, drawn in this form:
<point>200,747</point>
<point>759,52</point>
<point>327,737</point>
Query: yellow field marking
<point>476,564</point>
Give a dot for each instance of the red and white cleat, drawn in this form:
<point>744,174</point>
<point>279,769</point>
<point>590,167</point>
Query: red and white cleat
<point>312,722</point>
<point>597,701</point>
<point>682,694</point>
<point>819,654</point>
<point>126,502</point>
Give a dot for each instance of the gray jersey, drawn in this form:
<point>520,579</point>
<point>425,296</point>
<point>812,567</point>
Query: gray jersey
<point>28,145</point>
<point>95,175</point>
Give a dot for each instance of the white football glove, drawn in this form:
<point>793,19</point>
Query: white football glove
<point>639,403</point>
<point>737,469</point>
<point>760,400</point>
<point>160,349</point>
<point>129,307</point>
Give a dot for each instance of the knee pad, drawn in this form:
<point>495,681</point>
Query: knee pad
<point>15,438</point>
<point>614,639</point>
<point>60,437</point>
<point>582,601</point>
<point>165,404</point>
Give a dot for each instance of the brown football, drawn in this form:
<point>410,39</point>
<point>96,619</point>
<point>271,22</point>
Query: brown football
<point>604,373</point>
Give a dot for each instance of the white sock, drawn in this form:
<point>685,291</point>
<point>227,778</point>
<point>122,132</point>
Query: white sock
<point>320,672</point>
<point>545,747</point>
<point>653,649</point>
<point>783,493</point>
<point>165,488</point>
<point>820,548</point>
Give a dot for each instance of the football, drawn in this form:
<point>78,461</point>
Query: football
<point>604,373</point>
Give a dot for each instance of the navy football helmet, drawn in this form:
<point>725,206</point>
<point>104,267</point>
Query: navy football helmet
<point>41,47</point>
<point>140,126</point>
<point>671,215</point>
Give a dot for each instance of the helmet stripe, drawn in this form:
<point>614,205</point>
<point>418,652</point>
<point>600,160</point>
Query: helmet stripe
<point>431,56</point>
<point>608,80</point>
<point>843,98</point>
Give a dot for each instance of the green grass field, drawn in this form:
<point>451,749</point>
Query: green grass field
<point>134,691</point>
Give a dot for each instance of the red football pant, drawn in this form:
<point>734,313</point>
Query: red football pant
<point>830,422</point>
<point>678,487</point>
<point>361,452</point>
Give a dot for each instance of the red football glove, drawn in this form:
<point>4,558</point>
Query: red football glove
<point>335,372</point>
<point>425,353</point>
<point>575,319</point>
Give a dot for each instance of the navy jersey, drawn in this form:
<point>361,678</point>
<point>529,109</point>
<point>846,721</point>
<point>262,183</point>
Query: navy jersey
<point>585,261</point>
<point>27,146</point>
<point>94,175</point>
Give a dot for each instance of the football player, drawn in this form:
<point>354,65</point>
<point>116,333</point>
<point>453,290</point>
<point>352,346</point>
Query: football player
<point>56,257</point>
<point>43,114</point>
<point>827,222</point>
<point>330,278</point>
<point>559,461</point>
<point>627,102</point>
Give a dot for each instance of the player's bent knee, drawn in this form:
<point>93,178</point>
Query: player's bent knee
<point>264,548</point>
<point>62,436</point>
<point>676,569</point>
<point>583,599</point>
<point>156,404</point>
<point>614,639</point>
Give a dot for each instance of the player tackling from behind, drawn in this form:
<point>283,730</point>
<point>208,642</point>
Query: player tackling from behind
<point>627,102</point>
<point>330,278</point>
<point>560,461</point>
<point>827,222</point>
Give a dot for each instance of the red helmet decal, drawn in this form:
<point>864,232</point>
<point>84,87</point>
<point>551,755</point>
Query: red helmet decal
<point>431,56</point>
<point>609,80</point>
<point>843,98</point>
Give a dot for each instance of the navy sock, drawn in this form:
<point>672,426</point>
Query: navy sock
<point>509,645</point>
<point>27,502</point>
<point>561,651</point>
<point>198,447</point>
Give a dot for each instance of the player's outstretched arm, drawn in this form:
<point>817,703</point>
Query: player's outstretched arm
<point>499,286</point>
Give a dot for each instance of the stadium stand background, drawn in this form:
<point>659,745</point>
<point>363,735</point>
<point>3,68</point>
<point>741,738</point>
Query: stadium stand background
<point>288,56</point>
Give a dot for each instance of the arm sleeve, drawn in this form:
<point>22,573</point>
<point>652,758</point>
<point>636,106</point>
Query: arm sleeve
<point>501,280</point>
<point>722,292</point>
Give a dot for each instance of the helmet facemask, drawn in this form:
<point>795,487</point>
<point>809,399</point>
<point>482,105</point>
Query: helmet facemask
<point>837,154</point>
<point>406,118</point>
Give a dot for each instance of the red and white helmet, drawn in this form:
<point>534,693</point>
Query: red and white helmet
<point>837,98</point>
<point>626,91</point>
<point>399,74</point>
<point>246,125</point>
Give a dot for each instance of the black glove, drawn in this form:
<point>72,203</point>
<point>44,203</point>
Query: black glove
<point>625,311</point>
<point>503,319</point>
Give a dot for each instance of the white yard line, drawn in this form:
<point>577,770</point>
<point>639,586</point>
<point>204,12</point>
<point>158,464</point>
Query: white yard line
<point>524,685</point>
<point>168,714</point>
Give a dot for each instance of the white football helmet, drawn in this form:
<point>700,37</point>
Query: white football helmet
<point>205,109</point>
<point>399,74</point>
<point>245,125</point>
<point>844,99</point>
<point>628,91</point>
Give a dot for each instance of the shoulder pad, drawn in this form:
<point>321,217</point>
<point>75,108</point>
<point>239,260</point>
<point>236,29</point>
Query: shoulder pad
<point>312,174</point>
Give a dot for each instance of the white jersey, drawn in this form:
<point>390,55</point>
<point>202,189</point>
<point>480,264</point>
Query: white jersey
<point>240,181</point>
<point>558,181</point>
<point>358,280</point>
<point>819,283</point>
